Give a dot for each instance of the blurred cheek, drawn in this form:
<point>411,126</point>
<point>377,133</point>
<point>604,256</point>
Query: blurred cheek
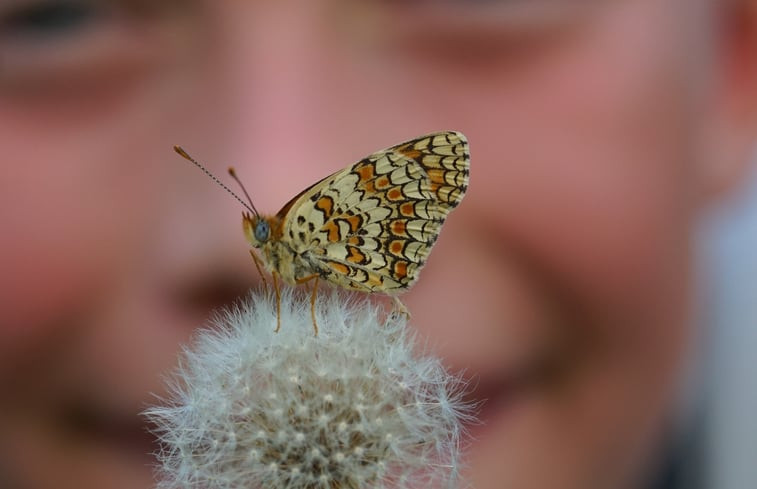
<point>581,142</point>
<point>582,182</point>
<point>86,162</point>
<point>79,193</point>
<point>591,169</point>
<point>68,227</point>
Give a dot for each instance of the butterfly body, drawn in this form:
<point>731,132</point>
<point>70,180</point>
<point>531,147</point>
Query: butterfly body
<point>371,226</point>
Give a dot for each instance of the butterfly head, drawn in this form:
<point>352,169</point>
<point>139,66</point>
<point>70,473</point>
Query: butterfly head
<point>257,229</point>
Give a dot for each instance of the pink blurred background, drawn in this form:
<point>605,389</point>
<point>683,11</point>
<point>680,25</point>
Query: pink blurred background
<point>607,237</point>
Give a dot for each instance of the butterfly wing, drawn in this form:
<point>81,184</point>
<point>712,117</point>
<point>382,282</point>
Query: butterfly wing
<point>371,226</point>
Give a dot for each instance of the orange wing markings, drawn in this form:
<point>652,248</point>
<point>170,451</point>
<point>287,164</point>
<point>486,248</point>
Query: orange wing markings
<point>367,227</point>
<point>400,269</point>
<point>398,227</point>
<point>325,204</point>
<point>407,209</point>
<point>354,221</point>
<point>382,182</point>
<point>339,267</point>
<point>436,175</point>
<point>445,159</point>
<point>332,231</point>
<point>358,277</point>
<point>397,246</point>
<point>394,194</point>
<point>413,153</point>
<point>356,256</point>
<point>366,172</point>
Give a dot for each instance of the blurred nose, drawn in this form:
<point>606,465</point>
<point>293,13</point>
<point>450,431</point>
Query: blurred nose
<point>279,111</point>
<point>277,115</point>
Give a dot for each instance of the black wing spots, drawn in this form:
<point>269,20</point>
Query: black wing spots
<point>360,206</point>
<point>357,206</point>
<point>369,230</point>
<point>361,228</point>
<point>359,222</point>
<point>301,235</point>
<point>343,222</point>
<point>359,277</point>
<point>346,225</point>
<point>354,255</point>
<point>311,227</point>
<point>300,220</point>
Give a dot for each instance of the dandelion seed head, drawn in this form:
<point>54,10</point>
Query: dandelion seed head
<point>253,408</point>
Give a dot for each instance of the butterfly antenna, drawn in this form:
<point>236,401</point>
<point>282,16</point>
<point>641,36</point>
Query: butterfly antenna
<point>186,156</point>
<point>233,174</point>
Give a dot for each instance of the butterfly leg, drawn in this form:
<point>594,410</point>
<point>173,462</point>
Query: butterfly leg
<point>399,307</point>
<point>259,266</point>
<point>278,301</point>
<point>313,277</point>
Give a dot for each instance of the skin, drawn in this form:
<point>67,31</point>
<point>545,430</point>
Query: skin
<point>562,285</point>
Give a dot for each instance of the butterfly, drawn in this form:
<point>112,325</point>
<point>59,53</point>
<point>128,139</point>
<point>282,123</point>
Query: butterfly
<point>369,227</point>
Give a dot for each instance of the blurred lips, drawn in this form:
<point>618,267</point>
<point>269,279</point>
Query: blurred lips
<point>90,421</point>
<point>495,394</point>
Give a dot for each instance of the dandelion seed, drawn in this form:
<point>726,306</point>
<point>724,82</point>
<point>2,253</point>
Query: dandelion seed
<point>279,433</point>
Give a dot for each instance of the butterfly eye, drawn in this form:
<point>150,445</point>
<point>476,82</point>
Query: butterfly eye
<point>262,231</point>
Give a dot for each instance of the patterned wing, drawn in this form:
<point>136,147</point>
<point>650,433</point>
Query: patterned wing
<point>371,226</point>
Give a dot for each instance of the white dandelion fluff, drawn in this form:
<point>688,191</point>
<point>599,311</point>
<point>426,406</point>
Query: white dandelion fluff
<point>354,407</point>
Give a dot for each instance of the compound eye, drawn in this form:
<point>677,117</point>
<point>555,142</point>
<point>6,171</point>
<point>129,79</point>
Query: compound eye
<point>262,231</point>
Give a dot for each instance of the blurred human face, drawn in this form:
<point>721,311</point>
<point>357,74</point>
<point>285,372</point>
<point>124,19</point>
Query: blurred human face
<point>560,286</point>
